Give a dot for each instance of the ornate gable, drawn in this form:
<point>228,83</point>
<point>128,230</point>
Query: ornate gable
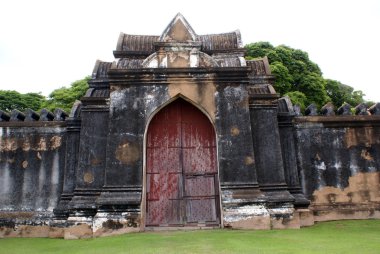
<point>178,30</point>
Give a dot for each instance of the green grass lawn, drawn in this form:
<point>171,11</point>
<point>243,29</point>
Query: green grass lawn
<point>361,236</point>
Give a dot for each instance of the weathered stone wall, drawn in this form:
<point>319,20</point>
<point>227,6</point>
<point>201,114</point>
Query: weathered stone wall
<point>32,156</point>
<point>339,162</point>
<point>86,177</point>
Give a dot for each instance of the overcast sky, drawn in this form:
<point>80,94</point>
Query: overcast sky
<point>45,45</point>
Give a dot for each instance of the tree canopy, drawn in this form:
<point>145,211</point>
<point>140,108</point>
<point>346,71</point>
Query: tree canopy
<point>300,78</point>
<point>63,98</point>
<point>14,100</point>
<point>341,93</point>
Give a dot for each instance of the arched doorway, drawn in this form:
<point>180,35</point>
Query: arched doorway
<point>182,187</point>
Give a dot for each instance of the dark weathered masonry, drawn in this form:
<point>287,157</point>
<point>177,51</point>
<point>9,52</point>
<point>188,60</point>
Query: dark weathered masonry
<point>181,131</point>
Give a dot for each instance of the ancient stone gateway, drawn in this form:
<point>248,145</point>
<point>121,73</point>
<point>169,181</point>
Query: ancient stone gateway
<point>181,131</point>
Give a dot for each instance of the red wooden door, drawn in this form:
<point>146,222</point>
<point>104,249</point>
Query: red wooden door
<point>182,178</point>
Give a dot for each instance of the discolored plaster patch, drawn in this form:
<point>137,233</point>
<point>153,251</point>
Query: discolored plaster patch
<point>254,222</point>
<point>56,232</point>
<point>26,145</point>
<point>95,161</point>
<point>32,231</point>
<point>9,144</point>
<point>88,177</point>
<point>362,188</point>
<point>41,146</point>
<point>365,154</point>
<point>13,143</point>
<point>292,222</point>
<point>55,142</point>
<point>78,232</point>
<point>249,160</point>
<point>345,214</point>
<point>361,136</point>
<point>115,229</point>
<point>115,88</point>
<point>202,94</point>
<point>306,217</point>
<point>178,59</point>
<point>234,131</point>
<point>127,153</point>
<point>25,164</point>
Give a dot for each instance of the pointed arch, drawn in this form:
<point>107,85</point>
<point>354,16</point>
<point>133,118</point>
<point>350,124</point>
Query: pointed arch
<point>185,98</point>
<point>181,177</point>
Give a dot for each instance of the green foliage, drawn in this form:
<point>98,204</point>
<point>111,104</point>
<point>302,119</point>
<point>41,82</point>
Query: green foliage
<point>64,97</point>
<point>14,100</point>
<point>359,236</point>
<point>313,86</point>
<point>298,98</point>
<point>259,49</point>
<point>294,71</point>
<point>284,80</point>
<point>341,93</point>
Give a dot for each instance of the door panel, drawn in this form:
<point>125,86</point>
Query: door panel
<point>202,211</point>
<point>199,161</point>
<point>161,159</point>
<point>181,175</point>
<point>200,186</point>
